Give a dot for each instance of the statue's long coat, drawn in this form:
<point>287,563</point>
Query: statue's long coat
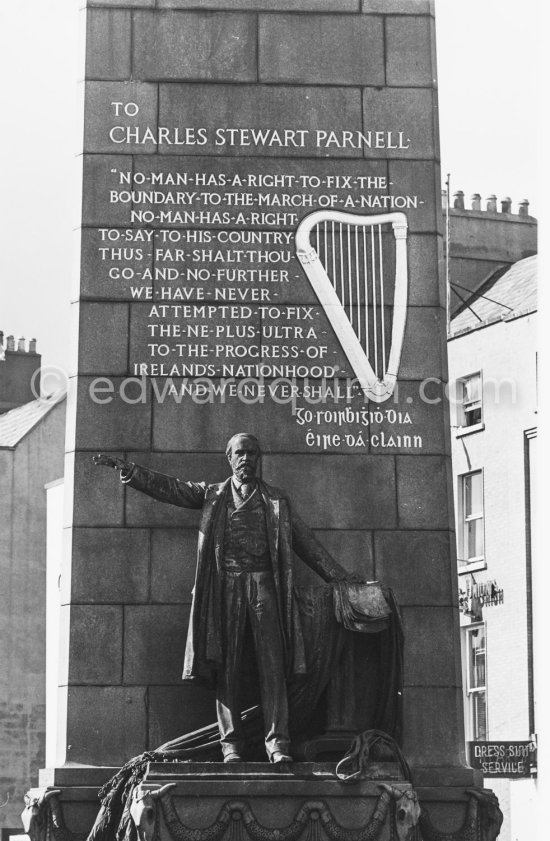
<point>286,533</point>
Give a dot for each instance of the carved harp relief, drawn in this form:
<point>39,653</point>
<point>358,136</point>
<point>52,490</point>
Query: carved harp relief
<point>357,266</point>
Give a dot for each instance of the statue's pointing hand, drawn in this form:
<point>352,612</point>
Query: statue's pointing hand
<point>110,461</point>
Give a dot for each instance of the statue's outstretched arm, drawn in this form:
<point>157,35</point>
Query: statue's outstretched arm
<point>158,485</point>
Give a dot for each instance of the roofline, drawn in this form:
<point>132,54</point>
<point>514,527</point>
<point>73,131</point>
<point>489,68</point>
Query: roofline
<point>494,215</point>
<point>35,424</point>
<point>490,322</point>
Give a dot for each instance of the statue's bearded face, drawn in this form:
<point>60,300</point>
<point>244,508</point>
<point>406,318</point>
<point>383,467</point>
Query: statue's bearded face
<point>244,459</point>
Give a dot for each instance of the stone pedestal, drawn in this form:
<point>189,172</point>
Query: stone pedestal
<point>257,801</point>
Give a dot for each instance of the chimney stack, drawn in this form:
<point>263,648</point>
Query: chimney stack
<point>476,201</point>
<point>19,382</point>
<point>458,202</point>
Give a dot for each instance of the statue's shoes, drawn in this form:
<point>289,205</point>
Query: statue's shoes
<point>279,756</point>
<point>232,757</point>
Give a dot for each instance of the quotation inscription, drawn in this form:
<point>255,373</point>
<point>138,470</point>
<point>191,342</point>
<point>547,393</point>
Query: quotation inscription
<point>158,198</point>
<point>221,307</point>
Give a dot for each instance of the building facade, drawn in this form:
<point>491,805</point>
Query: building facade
<point>484,239</point>
<point>31,455</point>
<point>493,376</point>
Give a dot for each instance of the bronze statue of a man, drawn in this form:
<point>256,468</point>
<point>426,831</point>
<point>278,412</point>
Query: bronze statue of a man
<point>244,574</point>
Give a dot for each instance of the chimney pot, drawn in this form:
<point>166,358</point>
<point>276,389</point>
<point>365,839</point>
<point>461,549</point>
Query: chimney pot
<point>32,346</point>
<point>506,205</point>
<point>21,344</point>
<point>458,202</point>
<point>524,208</point>
<point>476,201</point>
<point>492,204</point>
<point>11,343</point>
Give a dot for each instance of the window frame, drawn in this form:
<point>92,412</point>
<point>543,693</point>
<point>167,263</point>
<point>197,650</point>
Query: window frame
<point>476,562</point>
<point>472,692</point>
<point>464,428</point>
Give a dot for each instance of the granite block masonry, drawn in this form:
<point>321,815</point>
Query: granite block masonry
<point>212,129</point>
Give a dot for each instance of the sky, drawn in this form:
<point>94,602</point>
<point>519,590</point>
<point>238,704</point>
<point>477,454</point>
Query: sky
<point>490,139</point>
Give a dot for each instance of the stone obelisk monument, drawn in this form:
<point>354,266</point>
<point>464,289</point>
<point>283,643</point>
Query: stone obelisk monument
<point>212,130</point>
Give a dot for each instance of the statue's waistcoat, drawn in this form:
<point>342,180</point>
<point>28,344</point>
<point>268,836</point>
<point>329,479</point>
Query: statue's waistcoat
<point>246,543</point>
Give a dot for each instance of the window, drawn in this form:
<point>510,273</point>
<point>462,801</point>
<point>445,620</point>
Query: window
<point>471,539</point>
<point>476,682</point>
<point>469,403</point>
